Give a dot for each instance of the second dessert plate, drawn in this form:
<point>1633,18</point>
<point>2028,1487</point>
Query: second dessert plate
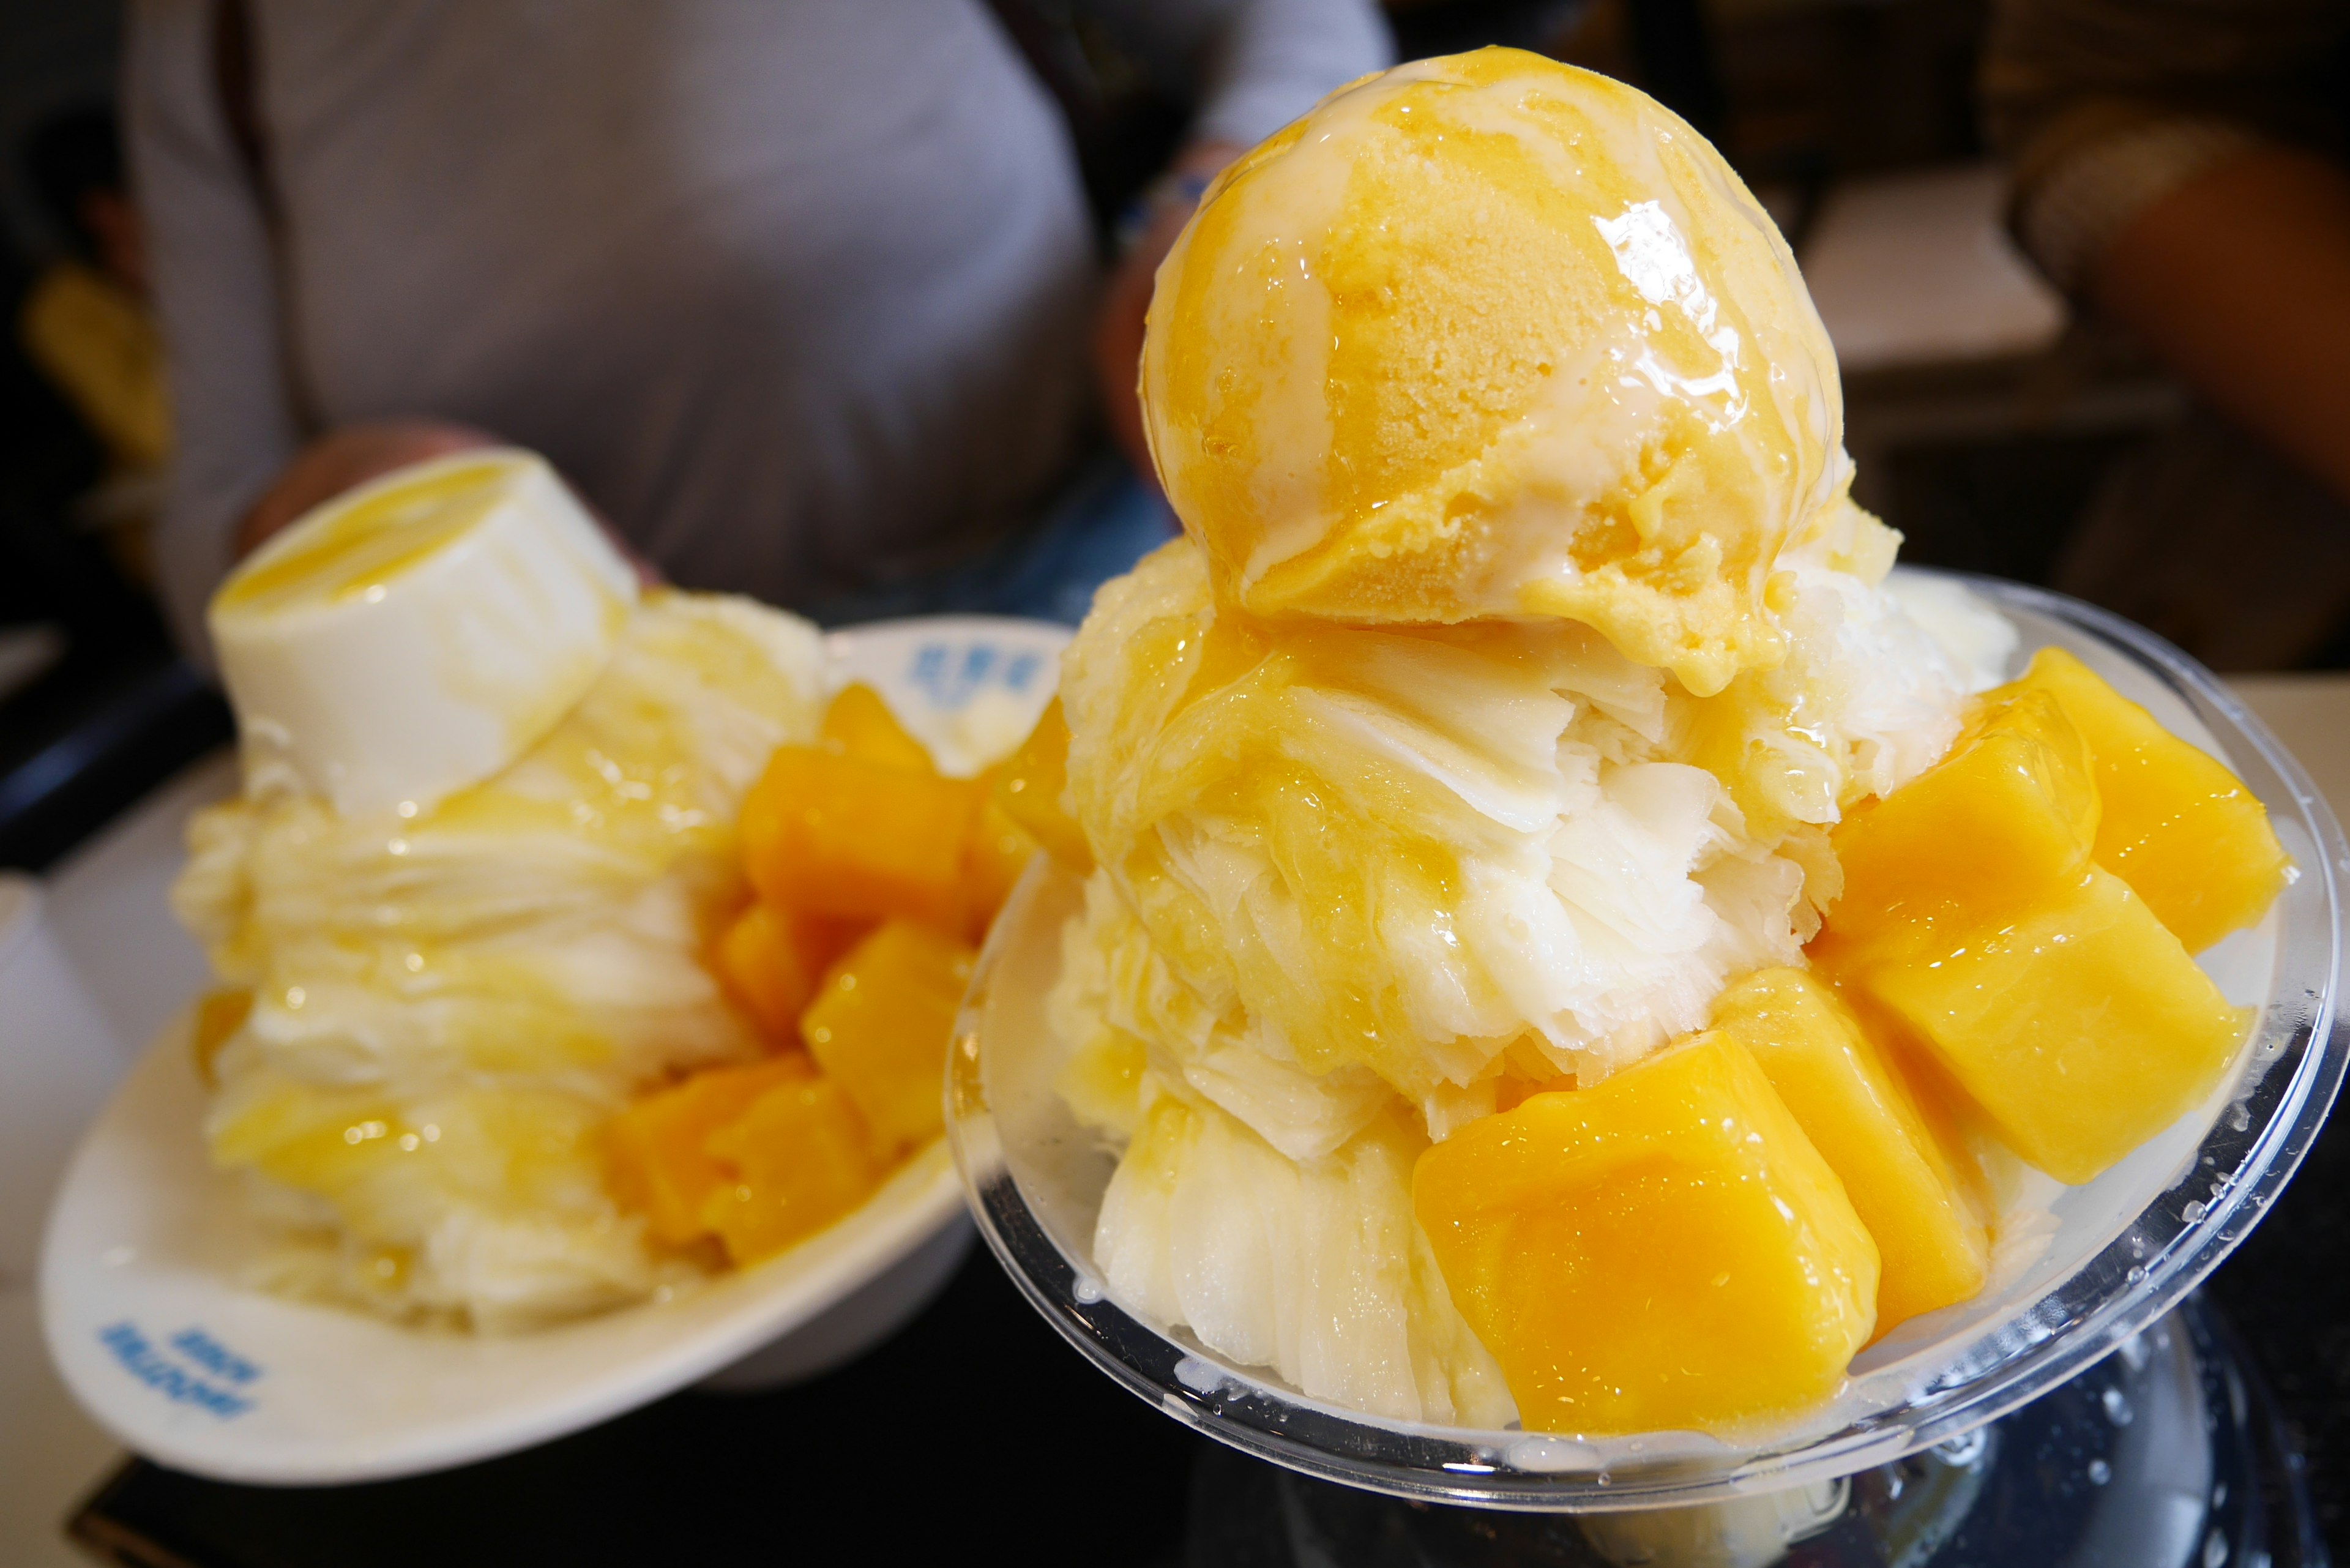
<point>148,1322</point>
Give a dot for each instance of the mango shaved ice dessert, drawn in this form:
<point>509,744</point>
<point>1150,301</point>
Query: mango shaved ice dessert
<point>447,1006</point>
<point>654,995</point>
<point>1565,939</point>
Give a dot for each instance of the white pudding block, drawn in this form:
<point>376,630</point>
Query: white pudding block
<point>416,635</point>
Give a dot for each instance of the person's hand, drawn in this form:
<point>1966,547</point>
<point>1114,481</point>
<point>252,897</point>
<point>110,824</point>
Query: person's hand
<point>1118,329</point>
<point>346,458</point>
<point>2241,278</point>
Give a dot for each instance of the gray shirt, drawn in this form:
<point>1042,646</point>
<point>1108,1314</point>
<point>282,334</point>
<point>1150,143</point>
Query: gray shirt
<point>794,291</point>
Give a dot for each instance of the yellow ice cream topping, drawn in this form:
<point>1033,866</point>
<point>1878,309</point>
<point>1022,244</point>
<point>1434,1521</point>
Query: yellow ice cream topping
<point>1490,335</point>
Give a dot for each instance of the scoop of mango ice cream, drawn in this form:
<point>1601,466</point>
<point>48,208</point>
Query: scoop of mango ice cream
<point>1490,337</point>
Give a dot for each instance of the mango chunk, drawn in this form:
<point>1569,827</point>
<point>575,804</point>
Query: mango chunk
<point>2039,982</point>
<point>2080,1029</point>
<point>655,1154</point>
<point>2178,827</point>
<point>1665,1251</point>
<point>1861,1114</point>
<point>772,959</point>
<point>767,969</point>
<point>2004,821</point>
<point>1030,787</point>
<point>881,1024</point>
<point>799,1158</point>
<point>858,723</point>
<point>999,851</point>
<point>839,837</point>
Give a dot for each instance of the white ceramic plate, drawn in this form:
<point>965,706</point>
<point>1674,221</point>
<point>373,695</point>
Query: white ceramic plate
<point>153,1335</point>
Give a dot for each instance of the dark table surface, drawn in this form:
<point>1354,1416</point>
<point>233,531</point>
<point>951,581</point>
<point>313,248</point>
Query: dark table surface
<point>2286,1292</point>
<point>976,1425</point>
<point>978,1429</point>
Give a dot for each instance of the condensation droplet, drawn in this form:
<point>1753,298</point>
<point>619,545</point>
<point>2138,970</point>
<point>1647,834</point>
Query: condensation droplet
<point>1199,1377</point>
<point>2117,1407</point>
<point>2194,1212</point>
<point>2100,1472</point>
<point>1958,1453</point>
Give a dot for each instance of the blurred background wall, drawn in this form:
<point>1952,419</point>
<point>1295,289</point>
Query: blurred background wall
<point>95,707</point>
<point>55,59</point>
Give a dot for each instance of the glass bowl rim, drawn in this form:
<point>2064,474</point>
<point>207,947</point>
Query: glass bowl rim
<point>2031,1351</point>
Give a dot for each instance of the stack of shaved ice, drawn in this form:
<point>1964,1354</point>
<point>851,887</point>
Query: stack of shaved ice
<point>447,1006</point>
<point>1523,649</point>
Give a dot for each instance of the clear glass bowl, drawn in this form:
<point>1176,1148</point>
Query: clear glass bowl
<point>2084,1270</point>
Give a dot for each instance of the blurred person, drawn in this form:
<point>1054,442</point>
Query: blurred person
<point>2179,171</point>
<point>798,295</point>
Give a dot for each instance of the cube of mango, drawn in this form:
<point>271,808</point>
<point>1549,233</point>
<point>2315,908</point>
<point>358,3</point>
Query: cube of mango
<point>999,851</point>
<point>824,940</point>
<point>2004,821</point>
<point>2079,1030</point>
<point>799,1158</point>
<point>1665,1251</point>
<point>1030,785</point>
<point>2178,827</point>
<point>772,959</point>
<point>879,1027</point>
<point>1861,1114</point>
<point>655,1154</point>
<point>767,969</point>
<point>858,723</point>
<point>839,837</point>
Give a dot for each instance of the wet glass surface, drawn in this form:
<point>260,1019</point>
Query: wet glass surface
<point>2167,1454</point>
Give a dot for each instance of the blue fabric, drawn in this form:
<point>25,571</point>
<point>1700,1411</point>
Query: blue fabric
<point>1105,519</point>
